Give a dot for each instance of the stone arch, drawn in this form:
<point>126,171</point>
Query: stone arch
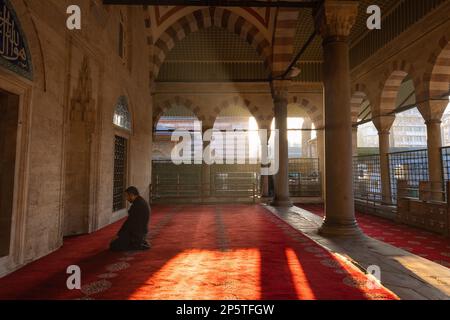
<point>357,98</point>
<point>203,19</point>
<point>34,43</point>
<point>393,79</point>
<point>162,107</point>
<point>314,113</point>
<point>236,101</point>
<point>437,78</point>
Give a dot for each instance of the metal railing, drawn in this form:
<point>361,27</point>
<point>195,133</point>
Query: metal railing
<point>445,158</point>
<point>445,161</point>
<point>193,181</point>
<point>221,175</point>
<point>200,183</point>
<point>367,178</point>
<point>304,177</point>
<point>203,193</point>
<point>408,166</point>
<point>411,166</point>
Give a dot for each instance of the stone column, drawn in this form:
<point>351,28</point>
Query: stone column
<point>383,125</point>
<point>355,141</point>
<point>334,20</point>
<point>206,168</point>
<point>306,137</point>
<point>432,111</point>
<point>265,178</point>
<point>280,92</point>
<point>434,145</point>
<point>265,185</point>
<point>321,156</point>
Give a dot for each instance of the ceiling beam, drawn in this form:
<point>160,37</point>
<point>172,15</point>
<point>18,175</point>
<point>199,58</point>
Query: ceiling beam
<point>220,3</point>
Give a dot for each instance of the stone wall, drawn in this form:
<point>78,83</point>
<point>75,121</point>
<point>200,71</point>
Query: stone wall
<point>61,116</point>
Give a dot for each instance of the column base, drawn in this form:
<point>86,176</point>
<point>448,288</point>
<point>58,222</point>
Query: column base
<point>286,203</point>
<point>340,230</point>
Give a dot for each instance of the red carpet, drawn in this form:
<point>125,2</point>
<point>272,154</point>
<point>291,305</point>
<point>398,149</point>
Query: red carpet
<point>422,243</point>
<point>199,252</point>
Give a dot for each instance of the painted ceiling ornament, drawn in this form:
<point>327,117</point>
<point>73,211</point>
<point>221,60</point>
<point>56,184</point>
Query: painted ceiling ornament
<point>14,52</point>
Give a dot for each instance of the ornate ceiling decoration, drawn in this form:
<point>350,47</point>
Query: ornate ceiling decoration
<point>163,13</point>
<point>217,55</point>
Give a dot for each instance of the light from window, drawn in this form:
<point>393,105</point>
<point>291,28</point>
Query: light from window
<point>122,117</point>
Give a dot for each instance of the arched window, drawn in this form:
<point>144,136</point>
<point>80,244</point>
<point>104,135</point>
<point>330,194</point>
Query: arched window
<point>176,118</point>
<point>235,136</point>
<point>122,120</point>
<point>122,117</point>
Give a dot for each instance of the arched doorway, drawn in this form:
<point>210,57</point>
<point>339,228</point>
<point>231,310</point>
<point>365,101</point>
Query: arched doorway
<point>304,171</point>
<point>408,156</point>
<point>236,154</point>
<point>171,180</point>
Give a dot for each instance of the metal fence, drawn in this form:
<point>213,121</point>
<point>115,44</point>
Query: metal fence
<point>411,166</point>
<point>170,180</point>
<point>234,179</point>
<point>445,158</point>
<point>304,177</point>
<point>367,178</point>
<point>445,153</point>
<point>200,183</point>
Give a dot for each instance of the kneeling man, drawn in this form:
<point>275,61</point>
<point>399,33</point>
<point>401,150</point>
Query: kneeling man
<point>133,233</point>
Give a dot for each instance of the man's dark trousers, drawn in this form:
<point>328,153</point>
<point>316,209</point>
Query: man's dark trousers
<point>132,235</point>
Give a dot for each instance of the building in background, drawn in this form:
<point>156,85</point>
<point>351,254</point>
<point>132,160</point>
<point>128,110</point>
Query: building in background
<point>407,133</point>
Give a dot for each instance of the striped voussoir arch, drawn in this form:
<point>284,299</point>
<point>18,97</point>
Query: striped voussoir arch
<point>234,101</point>
<point>283,42</point>
<point>162,107</point>
<point>394,77</point>
<point>314,113</point>
<point>203,19</point>
<point>148,35</point>
<point>438,79</point>
<point>358,97</point>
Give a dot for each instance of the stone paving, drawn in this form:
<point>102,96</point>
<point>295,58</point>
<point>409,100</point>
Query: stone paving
<point>409,276</point>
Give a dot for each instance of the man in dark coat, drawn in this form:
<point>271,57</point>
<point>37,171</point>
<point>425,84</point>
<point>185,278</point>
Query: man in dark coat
<point>133,233</point>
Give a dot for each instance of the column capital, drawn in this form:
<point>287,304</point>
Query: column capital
<point>264,124</point>
<point>336,18</point>
<point>433,110</point>
<point>433,121</point>
<point>280,89</point>
<point>383,123</point>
